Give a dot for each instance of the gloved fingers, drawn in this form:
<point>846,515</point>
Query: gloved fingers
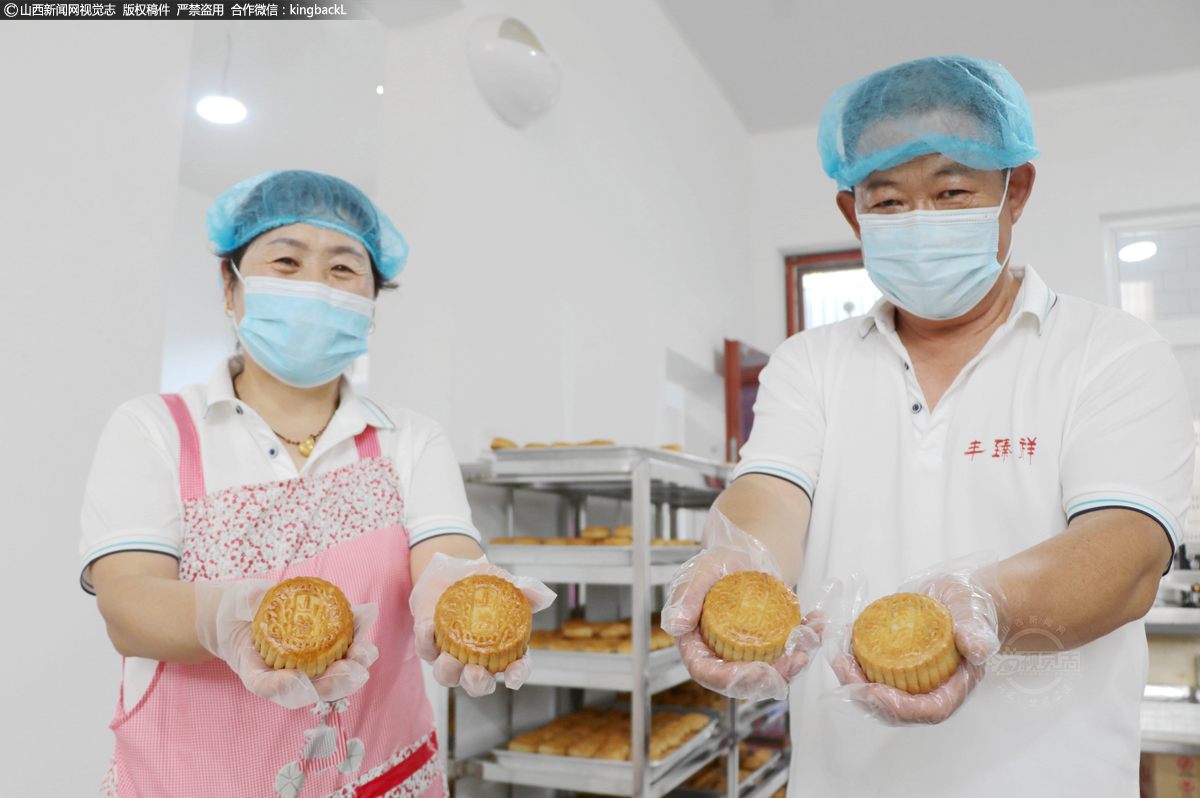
<point>974,615</point>
<point>749,680</point>
<point>975,646</point>
<point>447,670</point>
<point>894,707</point>
<point>443,571</point>
<point>789,666</point>
<point>685,596</point>
<point>364,652</point>
<point>806,636</point>
<point>816,620</point>
<point>847,670</point>
<point>340,679</point>
<point>249,595</point>
<point>426,640</point>
<point>291,689</point>
<point>477,681</point>
<point>537,594</point>
<point>365,616</point>
<point>517,672</point>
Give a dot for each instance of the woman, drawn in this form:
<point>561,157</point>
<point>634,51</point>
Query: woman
<point>198,501</point>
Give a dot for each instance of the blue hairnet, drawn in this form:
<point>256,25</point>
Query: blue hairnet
<point>970,110</point>
<point>276,199</point>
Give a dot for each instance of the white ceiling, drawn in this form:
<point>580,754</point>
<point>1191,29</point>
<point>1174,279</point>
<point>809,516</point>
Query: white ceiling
<point>310,95</point>
<point>777,61</point>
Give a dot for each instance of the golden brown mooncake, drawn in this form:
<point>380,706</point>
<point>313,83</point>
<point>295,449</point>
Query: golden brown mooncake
<point>748,615</point>
<point>503,443</point>
<point>519,540</point>
<point>483,620</point>
<point>906,640</point>
<point>595,532</point>
<point>303,623</point>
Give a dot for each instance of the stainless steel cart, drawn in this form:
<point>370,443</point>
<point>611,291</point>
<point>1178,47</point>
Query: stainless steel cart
<point>657,483</point>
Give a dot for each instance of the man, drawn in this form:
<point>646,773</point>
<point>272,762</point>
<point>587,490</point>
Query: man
<point>973,409</point>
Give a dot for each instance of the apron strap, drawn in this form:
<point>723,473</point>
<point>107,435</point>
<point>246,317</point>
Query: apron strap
<point>191,469</point>
<point>368,444</point>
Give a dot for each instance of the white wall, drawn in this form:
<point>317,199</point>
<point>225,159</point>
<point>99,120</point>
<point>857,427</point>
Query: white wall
<point>91,139</point>
<point>1108,149</point>
<point>553,267</point>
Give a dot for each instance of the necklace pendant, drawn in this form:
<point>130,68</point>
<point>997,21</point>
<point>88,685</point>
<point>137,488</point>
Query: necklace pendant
<point>306,446</point>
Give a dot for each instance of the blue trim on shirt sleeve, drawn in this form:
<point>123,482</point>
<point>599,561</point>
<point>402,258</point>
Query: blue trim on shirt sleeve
<point>438,531</point>
<point>783,473</point>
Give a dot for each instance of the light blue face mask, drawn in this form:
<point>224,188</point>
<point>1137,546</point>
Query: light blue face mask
<point>934,264</point>
<point>303,333</point>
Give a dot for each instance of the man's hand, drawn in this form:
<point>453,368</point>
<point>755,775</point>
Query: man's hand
<point>969,588</point>
<point>729,550</point>
<point>893,707</point>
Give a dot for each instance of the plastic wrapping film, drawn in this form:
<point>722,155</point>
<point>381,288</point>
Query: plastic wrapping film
<point>968,587</point>
<point>224,615</point>
<point>442,572</point>
<point>727,550</point>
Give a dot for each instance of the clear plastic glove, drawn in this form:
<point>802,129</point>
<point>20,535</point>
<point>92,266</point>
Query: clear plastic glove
<point>728,550</point>
<point>442,572</point>
<point>970,590</point>
<point>224,612</point>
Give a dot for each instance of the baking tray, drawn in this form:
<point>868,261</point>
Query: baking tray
<point>743,786</point>
<point>595,671</point>
<point>600,768</point>
<point>554,454</point>
<point>587,556</point>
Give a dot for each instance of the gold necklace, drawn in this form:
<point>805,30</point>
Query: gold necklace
<point>306,445</point>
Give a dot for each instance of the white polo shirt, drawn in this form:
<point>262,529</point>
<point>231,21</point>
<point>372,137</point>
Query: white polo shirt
<point>132,500</point>
<point>1069,407</point>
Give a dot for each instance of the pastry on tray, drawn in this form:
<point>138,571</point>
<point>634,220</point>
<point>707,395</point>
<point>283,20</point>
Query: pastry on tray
<point>503,443</point>
<point>520,540</point>
<point>906,640</point>
<point>748,615</point>
<point>303,623</point>
<point>595,533</point>
<point>605,734</point>
<point>483,620</point>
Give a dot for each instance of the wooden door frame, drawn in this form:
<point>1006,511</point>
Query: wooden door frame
<point>797,265</point>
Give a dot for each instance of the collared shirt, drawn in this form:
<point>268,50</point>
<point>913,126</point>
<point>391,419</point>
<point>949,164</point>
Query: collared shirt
<point>1069,407</point>
<point>132,500</point>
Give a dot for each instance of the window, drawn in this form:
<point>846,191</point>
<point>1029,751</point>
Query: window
<point>826,288</point>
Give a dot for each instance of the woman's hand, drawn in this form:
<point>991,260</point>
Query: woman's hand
<point>441,572</point>
<point>224,612</point>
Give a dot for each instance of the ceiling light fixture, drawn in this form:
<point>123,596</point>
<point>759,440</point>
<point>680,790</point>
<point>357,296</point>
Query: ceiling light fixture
<point>1137,251</point>
<point>223,109</point>
<point>511,69</point>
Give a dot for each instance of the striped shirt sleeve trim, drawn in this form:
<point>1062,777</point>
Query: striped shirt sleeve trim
<point>1152,509</point>
<point>437,531</point>
<point>155,546</point>
<point>775,471</point>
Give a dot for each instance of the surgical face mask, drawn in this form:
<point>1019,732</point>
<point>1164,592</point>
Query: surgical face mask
<point>934,264</point>
<point>303,333</point>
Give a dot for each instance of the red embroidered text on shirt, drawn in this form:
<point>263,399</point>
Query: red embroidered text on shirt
<point>1002,449</point>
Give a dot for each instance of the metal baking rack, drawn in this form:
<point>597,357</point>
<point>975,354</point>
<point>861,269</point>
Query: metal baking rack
<point>657,483</point>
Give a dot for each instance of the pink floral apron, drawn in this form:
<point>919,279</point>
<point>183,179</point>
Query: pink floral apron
<point>199,732</point>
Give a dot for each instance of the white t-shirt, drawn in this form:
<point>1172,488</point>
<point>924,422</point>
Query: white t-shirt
<point>132,500</point>
<point>1069,407</point>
